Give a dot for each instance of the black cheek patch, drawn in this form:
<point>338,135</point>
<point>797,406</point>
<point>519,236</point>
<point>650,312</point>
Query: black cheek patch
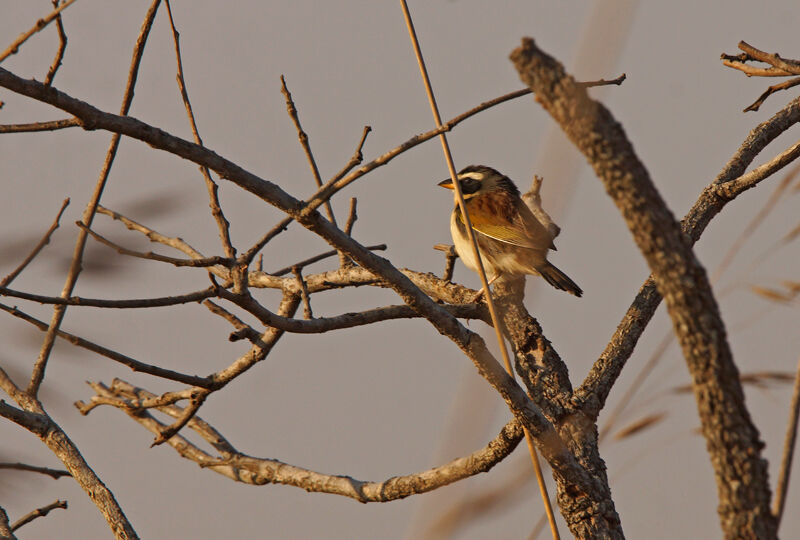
<point>470,186</point>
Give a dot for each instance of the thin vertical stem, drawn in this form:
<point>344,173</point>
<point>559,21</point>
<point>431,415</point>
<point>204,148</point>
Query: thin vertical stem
<point>476,252</point>
<point>88,216</point>
<point>788,451</point>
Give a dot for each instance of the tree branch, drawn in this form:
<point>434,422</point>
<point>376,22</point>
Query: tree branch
<point>39,512</point>
<point>732,439</point>
<point>260,471</point>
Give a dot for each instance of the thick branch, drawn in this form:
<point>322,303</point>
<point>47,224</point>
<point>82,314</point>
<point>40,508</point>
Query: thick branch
<point>732,439</point>
<point>728,184</point>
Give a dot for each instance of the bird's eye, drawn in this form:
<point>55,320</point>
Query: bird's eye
<point>470,186</point>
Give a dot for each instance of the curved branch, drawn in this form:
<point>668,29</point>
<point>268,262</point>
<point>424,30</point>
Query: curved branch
<point>135,365</point>
<point>347,320</point>
<point>134,303</point>
<point>39,512</point>
<point>259,471</point>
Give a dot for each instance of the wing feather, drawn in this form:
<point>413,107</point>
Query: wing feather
<point>511,222</point>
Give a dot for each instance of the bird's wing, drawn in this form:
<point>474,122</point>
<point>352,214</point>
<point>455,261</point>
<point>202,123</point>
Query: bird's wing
<point>514,225</point>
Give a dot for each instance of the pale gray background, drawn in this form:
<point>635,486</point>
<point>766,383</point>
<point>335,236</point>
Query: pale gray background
<point>384,400</point>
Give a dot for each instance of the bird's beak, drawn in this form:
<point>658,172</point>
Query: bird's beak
<point>446,183</point>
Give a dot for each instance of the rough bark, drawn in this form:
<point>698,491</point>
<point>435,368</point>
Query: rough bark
<point>589,514</point>
<point>731,437</point>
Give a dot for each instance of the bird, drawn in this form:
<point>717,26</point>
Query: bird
<point>511,240</point>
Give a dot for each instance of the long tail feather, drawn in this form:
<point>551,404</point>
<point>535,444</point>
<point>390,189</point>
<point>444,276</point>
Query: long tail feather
<point>559,279</point>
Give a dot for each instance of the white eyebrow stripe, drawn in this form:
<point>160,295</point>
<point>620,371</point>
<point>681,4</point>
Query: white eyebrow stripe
<point>471,174</point>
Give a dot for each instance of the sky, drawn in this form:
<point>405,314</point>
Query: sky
<point>393,398</point>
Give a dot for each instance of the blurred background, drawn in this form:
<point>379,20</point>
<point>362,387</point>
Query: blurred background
<point>392,398</point>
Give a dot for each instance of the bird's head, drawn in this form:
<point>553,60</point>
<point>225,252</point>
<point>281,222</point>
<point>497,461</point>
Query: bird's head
<point>476,180</point>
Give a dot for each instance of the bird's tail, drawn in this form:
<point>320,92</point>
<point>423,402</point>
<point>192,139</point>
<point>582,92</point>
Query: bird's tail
<point>559,279</point>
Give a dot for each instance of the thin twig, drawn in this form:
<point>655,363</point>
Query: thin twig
<point>6,281</point>
<point>152,235</point>
<point>317,258</point>
<point>773,59</point>
<point>357,157</point>
<point>477,256</point>
<point>307,313</point>
<point>40,126</point>
<point>197,263</point>
<point>303,137</point>
<point>39,367</point>
<point>450,257</point>
<point>213,189</point>
<point>216,309</point>
<point>39,512</point>
<point>752,71</point>
<point>62,47</point>
<point>134,303</point>
<point>281,226</point>
<point>54,473</point>
<point>757,220</point>
<point>321,325</point>
<point>135,365</point>
<point>39,26</point>
<point>602,82</point>
<point>352,216</point>
<point>196,401</point>
<point>771,90</point>
<point>782,488</point>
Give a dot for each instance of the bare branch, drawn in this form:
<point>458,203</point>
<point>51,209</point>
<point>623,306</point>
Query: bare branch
<point>602,82</point>
<point>321,325</point>
<point>303,137</point>
<point>771,90</point>
<point>213,190</point>
<point>195,402</point>
<point>752,71</point>
<point>732,439</point>
<point>196,263</point>
<point>54,473</point>
<point>791,66</point>
<point>40,25</point>
<point>135,365</point>
<point>6,281</point>
<point>317,258</point>
<point>39,512</point>
<point>258,471</point>
<point>153,236</point>
<point>307,313</point>
<point>37,375</point>
<point>357,157</point>
<point>137,303</point>
<point>450,260</point>
<point>40,126</point>
<point>62,47</point>
<point>610,363</point>
<point>306,215</point>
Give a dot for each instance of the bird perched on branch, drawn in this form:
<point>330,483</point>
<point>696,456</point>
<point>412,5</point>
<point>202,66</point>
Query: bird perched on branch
<point>511,240</point>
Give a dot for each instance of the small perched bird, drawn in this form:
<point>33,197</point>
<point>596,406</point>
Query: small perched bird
<point>510,238</point>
